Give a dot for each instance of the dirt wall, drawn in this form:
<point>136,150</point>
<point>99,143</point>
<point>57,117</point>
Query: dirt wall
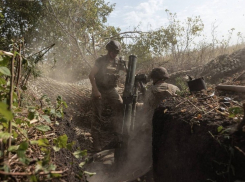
<point>183,151</point>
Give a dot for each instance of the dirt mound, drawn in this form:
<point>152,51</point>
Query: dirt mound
<point>194,139</point>
<point>217,69</point>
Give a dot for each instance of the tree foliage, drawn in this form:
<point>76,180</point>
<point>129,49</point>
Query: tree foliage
<point>19,19</point>
<point>77,27</point>
<point>79,32</point>
<point>171,42</point>
<point>18,121</point>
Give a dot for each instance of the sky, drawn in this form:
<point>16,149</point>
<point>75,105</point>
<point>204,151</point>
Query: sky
<point>151,15</point>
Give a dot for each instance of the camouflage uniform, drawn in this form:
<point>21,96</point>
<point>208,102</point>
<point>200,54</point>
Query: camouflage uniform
<point>154,96</point>
<point>106,81</point>
<point>158,92</point>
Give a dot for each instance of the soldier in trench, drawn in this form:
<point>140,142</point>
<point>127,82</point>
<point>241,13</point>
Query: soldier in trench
<point>160,89</point>
<point>157,92</point>
<point>141,139</point>
<point>104,78</point>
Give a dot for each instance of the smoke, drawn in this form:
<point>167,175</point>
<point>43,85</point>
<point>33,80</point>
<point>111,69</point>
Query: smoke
<point>139,156</point>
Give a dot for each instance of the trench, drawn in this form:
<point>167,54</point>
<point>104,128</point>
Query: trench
<point>179,150</point>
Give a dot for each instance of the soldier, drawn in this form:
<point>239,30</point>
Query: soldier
<point>157,92</point>
<point>104,78</point>
<point>141,138</point>
<point>160,90</point>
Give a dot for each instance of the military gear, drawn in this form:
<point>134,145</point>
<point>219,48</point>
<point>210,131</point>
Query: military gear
<point>155,94</point>
<point>158,92</point>
<point>113,45</point>
<point>120,64</point>
<point>111,80</point>
<point>159,73</point>
<point>107,76</point>
<point>129,100</point>
<point>106,80</point>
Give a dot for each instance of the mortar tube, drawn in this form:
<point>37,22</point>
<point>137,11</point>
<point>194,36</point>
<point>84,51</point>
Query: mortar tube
<point>128,94</point>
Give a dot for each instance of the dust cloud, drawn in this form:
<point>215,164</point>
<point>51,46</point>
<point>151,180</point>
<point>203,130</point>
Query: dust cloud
<point>139,159</point>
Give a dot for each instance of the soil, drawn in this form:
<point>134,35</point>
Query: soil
<point>188,147</point>
<point>195,138</point>
<point>76,123</point>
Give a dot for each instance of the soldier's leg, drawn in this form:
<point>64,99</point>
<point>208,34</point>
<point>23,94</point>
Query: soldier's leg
<point>96,123</point>
<point>116,102</point>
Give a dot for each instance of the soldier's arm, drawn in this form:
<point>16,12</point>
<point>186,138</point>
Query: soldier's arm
<point>95,91</point>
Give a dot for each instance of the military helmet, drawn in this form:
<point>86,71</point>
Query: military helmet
<point>113,45</point>
<point>159,73</point>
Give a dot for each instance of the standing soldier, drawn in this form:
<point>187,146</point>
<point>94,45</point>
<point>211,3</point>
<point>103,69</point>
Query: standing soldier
<point>104,78</point>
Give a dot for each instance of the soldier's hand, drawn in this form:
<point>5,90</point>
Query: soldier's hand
<point>96,94</point>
